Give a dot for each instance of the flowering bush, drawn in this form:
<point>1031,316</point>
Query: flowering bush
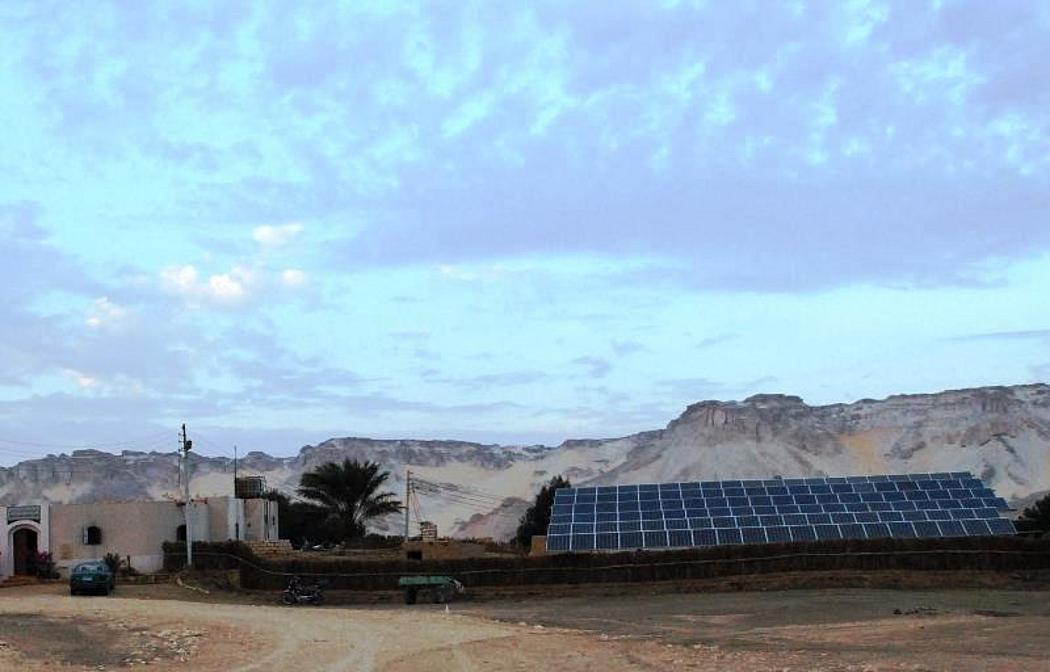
<point>44,564</point>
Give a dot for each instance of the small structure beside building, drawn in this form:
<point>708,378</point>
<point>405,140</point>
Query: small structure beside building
<point>249,487</point>
<point>428,531</point>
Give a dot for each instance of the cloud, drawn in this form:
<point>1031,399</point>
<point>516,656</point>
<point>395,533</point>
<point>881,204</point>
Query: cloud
<point>665,154</point>
<point>224,287</point>
<point>270,235</point>
<point>675,117</point>
<point>82,381</point>
<point>179,279</point>
<point>712,341</point>
<point>105,313</point>
<point>596,367</point>
<point>1022,335</point>
<point>293,277</point>
<point>493,380</point>
<point>478,273</point>
<point>700,388</point>
<point>625,348</point>
<point>229,288</point>
<point>692,389</point>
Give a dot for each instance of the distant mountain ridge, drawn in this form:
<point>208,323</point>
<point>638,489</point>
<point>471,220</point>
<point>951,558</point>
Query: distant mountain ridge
<point>1001,434</point>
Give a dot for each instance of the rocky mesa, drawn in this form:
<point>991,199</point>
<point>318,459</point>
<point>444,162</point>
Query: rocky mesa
<point>1001,434</point>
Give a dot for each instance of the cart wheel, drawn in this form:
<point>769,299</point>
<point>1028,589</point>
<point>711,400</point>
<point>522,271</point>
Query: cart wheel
<point>410,595</point>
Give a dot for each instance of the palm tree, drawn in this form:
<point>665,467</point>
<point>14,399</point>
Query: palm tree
<point>349,493</point>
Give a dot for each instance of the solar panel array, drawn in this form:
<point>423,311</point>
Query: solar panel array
<point>710,513</point>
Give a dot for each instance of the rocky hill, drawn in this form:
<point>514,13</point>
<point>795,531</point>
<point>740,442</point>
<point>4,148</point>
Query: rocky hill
<point>999,433</point>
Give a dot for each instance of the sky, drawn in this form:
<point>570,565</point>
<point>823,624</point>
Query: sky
<point>508,222</point>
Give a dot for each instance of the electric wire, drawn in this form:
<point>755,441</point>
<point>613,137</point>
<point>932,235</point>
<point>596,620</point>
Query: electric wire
<point>478,501</point>
<point>453,488</point>
<point>481,506</point>
<point>86,446</point>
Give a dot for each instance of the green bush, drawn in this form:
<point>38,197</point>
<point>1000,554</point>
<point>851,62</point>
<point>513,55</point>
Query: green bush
<point>114,562</point>
<point>1036,518</point>
<point>44,566</point>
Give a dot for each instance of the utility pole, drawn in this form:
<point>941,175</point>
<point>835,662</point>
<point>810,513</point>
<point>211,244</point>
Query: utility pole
<point>236,501</point>
<point>187,445</point>
<point>408,495</point>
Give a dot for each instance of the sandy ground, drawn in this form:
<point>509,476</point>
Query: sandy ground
<point>170,628</point>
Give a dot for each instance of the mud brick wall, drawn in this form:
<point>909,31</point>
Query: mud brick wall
<point>973,553</point>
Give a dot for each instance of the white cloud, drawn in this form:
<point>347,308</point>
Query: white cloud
<point>945,74</point>
<point>475,274</point>
<point>179,279</point>
<point>270,235</point>
<point>293,277</point>
<point>221,288</point>
<point>721,111</point>
<point>83,381</point>
<point>104,312</point>
<point>225,288</point>
<point>863,17</point>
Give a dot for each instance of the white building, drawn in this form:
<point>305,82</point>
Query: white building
<point>74,533</point>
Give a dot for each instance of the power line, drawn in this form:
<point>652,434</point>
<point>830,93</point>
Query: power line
<point>477,507</point>
<point>464,500</point>
<point>453,488</point>
<point>86,446</point>
<point>458,498</point>
<point>211,443</point>
<point>473,505</point>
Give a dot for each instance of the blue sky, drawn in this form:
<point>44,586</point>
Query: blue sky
<point>509,222</point>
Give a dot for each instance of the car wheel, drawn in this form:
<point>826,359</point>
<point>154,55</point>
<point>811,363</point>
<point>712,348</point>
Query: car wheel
<point>410,596</point>
<point>72,592</point>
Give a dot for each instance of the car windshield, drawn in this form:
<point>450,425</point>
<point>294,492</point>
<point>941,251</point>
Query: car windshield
<point>89,568</point>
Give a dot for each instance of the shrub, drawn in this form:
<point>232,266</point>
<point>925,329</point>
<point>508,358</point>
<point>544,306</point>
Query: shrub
<point>114,562</point>
<point>1036,518</point>
<point>538,516</point>
<point>44,563</point>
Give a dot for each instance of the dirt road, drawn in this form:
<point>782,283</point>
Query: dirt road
<point>41,628</point>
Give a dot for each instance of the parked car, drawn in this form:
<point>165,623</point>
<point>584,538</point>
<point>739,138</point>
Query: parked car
<point>91,577</point>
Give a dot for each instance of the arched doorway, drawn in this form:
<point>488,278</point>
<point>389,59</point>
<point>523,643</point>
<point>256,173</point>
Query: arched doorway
<point>24,547</point>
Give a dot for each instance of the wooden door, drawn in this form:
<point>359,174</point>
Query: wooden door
<point>25,548</point>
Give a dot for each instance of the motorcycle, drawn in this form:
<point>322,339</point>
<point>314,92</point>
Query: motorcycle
<point>299,593</point>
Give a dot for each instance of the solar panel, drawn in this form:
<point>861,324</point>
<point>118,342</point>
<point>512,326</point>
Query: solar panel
<point>709,513</point>
<point>655,539</point>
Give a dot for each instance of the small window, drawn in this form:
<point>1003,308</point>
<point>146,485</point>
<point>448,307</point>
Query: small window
<point>180,533</point>
<point>92,535</point>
